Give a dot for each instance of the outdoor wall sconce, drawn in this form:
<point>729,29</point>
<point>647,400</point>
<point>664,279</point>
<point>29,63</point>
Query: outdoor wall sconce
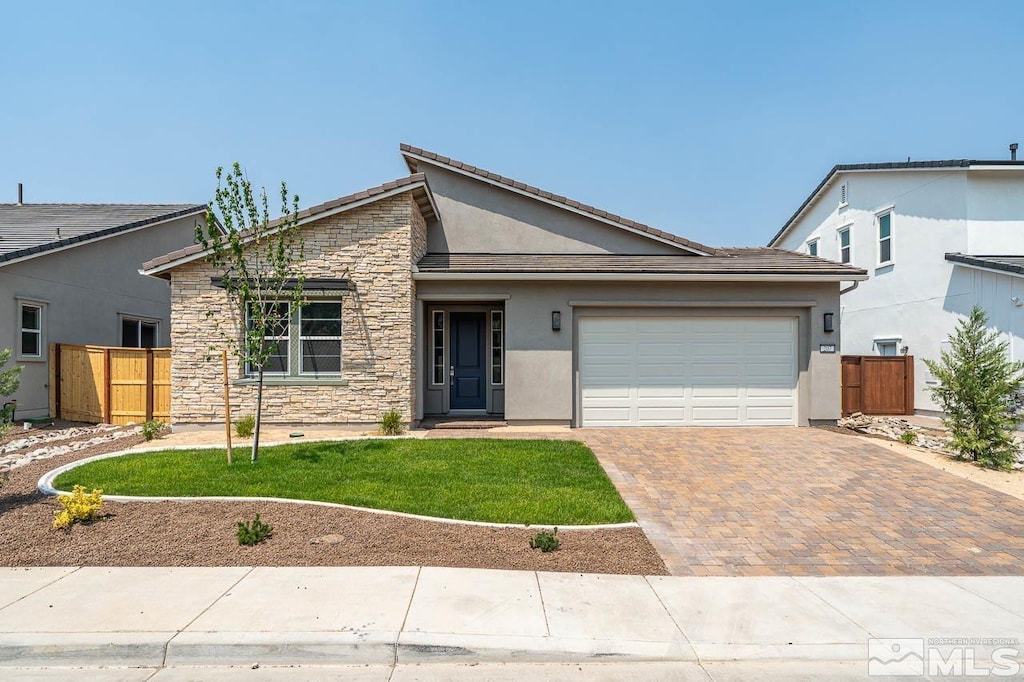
<point>828,323</point>
<point>556,320</point>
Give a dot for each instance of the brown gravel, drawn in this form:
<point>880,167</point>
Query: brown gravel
<point>203,534</point>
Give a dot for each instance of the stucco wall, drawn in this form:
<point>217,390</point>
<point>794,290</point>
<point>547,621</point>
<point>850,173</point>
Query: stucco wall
<point>920,297</point>
<point>373,246</point>
<point>540,375</point>
<point>479,218</point>
<point>86,289</point>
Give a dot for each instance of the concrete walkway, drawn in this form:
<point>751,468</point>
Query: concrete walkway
<point>159,618</point>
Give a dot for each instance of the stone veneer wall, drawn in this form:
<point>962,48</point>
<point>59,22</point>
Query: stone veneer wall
<point>374,246</point>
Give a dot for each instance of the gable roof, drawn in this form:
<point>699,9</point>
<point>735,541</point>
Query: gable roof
<point>31,230</point>
<point>897,165</point>
<point>739,264</point>
<point>1010,265</point>
<point>416,183</point>
<point>414,155</point>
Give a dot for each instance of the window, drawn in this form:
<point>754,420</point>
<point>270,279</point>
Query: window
<point>320,338</point>
<point>886,348</point>
<point>438,349</point>
<point>138,333</point>
<point>277,339</point>
<point>497,348</point>
<point>885,238</point>
<point>812,247</point>
<point>31,325</point>
<point>844,245</point>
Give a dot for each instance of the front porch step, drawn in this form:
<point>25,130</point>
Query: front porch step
<point>462,423</point>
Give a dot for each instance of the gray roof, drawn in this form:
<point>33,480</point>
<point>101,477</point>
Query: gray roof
<point>727,261</point>
<point>412,154</point>
<point>1013,265</point>
<point>30,229</point>
<point>895,165</point>
<point>417,183</point>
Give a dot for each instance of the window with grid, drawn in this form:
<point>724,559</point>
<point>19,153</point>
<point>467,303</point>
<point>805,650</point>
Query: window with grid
<point>277,339</point>
<point>320,338</point>
<point>438,347</point>
<point>497,348</point>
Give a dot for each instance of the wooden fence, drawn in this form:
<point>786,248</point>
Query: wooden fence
<point>113,385</point>
<point>874,384</point>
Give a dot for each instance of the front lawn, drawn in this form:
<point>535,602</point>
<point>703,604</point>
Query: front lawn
<point>508,481</point>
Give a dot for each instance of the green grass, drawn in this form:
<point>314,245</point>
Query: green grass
<point>508,481</point>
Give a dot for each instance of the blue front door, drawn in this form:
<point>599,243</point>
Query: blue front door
<point>469,361</point>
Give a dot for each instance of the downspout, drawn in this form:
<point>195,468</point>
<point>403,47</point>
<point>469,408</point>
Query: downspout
<point>856,283</point>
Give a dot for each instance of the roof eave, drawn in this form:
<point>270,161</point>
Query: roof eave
<point>642,276</point>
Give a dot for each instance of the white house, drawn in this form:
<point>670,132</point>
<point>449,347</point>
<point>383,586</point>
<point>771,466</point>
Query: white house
<point>936,237</point>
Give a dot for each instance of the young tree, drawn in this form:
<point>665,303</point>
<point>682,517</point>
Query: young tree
<point>977,384</point>
<point>9,381</point>
<point>260,260</point>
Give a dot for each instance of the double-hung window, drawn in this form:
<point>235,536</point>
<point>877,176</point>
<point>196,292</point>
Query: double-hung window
<point>302,341</point>
<point>30,320</point>
<point>320,338</point>
<point>885,239</point>
<point>844,245</point>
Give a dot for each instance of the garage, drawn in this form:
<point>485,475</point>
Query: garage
<point>688,371</point>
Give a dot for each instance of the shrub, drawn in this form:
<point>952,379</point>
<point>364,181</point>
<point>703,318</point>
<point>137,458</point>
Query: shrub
<point>78,506</point>
<point>391,423</point>
<point>245,426</point>
<point>152,428</point>
<point>977,386</point>
<point>250,534</point>
<point>908,437</point>
<point>545,541</point>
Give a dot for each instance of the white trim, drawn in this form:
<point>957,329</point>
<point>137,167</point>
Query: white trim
<point>433,347</point>
<point>462,297</point>
<point>815,242</point>
<point>632,277</point>
<point>884,209</point>
<point>551,202</point>
<point>490,332</point>
<point>879,239</point>
<point>100,238</point>
<point>152,272</point>
<point>984,269</point>
<point>40,333</point>
<point>848,229</point>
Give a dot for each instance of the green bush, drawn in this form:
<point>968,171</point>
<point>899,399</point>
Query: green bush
<point>152,428</point>
<point>977,387</point>
<point>250,534</point>
<point>908,437</point>
<point>391,423</point>
<point>545,541</point>
<point>245,426</point>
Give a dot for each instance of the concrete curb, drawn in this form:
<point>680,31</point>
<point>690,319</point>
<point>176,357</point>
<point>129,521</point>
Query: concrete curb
<point>46,487</point>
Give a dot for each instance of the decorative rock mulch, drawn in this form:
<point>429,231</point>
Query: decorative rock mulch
<point>44,444</point>
<point>893,428</point>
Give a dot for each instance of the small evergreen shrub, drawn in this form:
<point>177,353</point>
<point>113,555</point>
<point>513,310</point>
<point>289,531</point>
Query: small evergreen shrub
<point>78,506</point>
<point>545,541</point>
<point>977,387</point>
<point>152,428</point>
<point>250,534</point>
<point>391,423</point>
<point>908,437</point>
<point>245,426</point>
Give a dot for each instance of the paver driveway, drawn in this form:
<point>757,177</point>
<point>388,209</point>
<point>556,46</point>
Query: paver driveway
<point>804,501</point>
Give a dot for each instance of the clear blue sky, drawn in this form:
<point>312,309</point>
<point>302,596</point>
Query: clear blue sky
<point>713,120</point>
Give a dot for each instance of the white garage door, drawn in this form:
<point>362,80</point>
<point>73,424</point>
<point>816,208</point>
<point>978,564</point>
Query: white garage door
<point>676,371</point>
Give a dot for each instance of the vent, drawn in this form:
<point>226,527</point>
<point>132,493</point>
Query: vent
<point>843,194</point>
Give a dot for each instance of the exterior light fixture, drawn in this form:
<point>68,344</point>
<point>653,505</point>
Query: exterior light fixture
<point>828,323</point>
<point>556,320</point>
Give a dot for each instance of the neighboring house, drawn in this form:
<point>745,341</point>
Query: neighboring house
<point>937,237</point>
<point>458,291</point>
<point>69,274</point>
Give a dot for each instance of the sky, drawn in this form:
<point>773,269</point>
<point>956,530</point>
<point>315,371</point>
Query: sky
<point>712,120</point>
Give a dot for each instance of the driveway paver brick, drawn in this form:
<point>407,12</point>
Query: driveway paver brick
<point>805,502</point>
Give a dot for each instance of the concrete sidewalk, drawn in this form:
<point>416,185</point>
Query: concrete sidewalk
<point>172,617</point>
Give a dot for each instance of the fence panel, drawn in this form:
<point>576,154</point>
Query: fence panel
<point>115,385</point>
<point>873,384</point>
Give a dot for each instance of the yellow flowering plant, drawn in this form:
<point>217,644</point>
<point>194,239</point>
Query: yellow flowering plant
<point>78,506</point>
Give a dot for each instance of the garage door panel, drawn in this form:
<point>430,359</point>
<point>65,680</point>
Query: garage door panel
<point>679,371</point>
